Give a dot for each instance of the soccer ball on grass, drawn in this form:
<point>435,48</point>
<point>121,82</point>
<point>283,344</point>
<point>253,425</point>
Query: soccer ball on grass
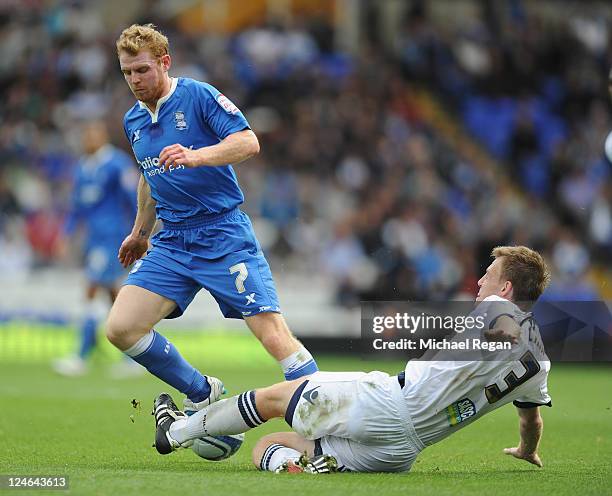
<point>216,448</point>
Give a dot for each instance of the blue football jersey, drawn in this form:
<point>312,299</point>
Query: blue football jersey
<point>103,197</point>
<point>195,115</point>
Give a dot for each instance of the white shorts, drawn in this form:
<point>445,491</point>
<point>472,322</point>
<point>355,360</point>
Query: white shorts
<point>360,418</point>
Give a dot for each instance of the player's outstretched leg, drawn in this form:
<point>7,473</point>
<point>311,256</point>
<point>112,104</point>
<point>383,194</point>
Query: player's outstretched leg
<point>129,327</point>
<point>234,415</point>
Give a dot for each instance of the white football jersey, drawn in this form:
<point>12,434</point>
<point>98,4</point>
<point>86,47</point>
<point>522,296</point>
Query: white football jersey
<point>445,396</point>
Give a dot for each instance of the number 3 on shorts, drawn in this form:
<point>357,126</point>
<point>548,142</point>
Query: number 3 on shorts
<point>243,273</point>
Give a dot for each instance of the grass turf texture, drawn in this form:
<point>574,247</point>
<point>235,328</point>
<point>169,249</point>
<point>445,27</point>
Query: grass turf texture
<point>82,428</point>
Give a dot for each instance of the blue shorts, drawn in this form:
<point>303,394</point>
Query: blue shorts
<point>101,265</point>
<point>220,254</point>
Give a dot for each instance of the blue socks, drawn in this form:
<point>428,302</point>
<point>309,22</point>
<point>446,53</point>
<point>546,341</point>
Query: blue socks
<point>159,356</point>
<point>89,329</point>
<point>154,352</point>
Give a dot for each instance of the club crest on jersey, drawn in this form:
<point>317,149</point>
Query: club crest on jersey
<point>460,411</point>
<point>179,120</point>
<point>227,104</point>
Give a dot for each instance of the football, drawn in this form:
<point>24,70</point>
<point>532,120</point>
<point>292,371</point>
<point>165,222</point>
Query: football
<point>216,448</point>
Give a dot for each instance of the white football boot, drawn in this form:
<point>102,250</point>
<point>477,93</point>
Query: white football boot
<point>216,391</point>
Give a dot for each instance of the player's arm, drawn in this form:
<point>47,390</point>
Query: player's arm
<point>136,244</point>
<point>504,328</point>
<point>235,148</point>
<point>530,429</point>
<point>145,215</point>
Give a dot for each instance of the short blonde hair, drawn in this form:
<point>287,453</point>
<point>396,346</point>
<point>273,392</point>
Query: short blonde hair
<point>140,37</point>
<point>525,269</point>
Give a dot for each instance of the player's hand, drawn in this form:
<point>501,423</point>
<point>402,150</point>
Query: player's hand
<point>532,458</point>
<point>178,155</point>
<point>132,249</point>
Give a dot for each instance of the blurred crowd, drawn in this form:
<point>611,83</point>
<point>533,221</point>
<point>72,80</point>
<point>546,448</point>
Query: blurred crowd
<point>354,179</point>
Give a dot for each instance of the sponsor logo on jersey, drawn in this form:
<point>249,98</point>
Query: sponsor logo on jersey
<point>136,136</point>
<point>227,104</point>
<point>460,411</point>
<point>150,166</point>
<point>250,298</point>
<point>179,120</point>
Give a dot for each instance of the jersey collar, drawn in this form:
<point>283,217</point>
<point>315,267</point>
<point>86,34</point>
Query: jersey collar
<point>494,297</point>
<point>160,102</point>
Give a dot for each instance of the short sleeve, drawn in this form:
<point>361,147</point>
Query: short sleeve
<point>221,115</point>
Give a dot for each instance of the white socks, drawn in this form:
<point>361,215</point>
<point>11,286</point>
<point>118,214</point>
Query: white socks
<point>230,416</point>
<point>277,454</point>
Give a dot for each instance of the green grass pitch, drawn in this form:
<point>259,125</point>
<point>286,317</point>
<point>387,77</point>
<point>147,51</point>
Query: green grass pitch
<point>82,428</point>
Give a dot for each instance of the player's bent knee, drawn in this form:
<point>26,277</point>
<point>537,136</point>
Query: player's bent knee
<point>260,447</point>
<point>114,332</point>
<point>122,333</point>
<point>272,401</point>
